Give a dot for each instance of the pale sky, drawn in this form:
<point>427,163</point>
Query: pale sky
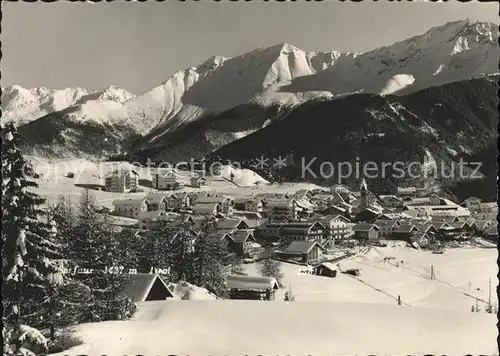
<point>136,46</point>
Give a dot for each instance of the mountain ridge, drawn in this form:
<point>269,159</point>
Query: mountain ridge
<point>268,82</point>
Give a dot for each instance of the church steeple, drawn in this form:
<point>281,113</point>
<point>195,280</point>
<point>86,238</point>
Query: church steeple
<point>364,194</point>
<point>364,186</point>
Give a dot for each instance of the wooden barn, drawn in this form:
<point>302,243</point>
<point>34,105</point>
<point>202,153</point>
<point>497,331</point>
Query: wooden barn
<point>251,287</point>
<point>326,269</point>
<point>144,287</point>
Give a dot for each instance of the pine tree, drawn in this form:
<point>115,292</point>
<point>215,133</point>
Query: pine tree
<point>208,256</point>
<point>128,249</point>
<point>236,267</point>
<point>268,266</point>
<point>29,248</point>
<point>93,248</point>
<point>64,215</point>
<point>157,251</point>
<point>180,242</point>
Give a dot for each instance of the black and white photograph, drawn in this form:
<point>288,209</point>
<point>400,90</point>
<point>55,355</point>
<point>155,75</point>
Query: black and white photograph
<point>249,177</point>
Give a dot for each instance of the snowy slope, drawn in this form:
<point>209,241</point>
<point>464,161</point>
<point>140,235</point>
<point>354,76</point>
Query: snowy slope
<point>222,83</point>
<point>455,51</point>
<point>283,76</point>
<point>25,105</point>
<point>223,327</point>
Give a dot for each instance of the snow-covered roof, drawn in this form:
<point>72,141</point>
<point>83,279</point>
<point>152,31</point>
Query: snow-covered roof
<point>140,285</point>
<point>230,224</point>
<point>211,200</point>
<point>156,198</point>
<point>241,236</point>
<point>364,227</point>
<point>137,201</point>
<point>301,247</point>
<point>205,208</point>
<point>255,283</point>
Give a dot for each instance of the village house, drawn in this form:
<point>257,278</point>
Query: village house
<point>157,202</point>
<point>321,197</point>
<point>225,238</point>
<point>444,230</point>
<point>491,234</point>
<point>482,226</point>
<point>326,269</point>
<point>422,239</point>
<point>340,189</point>
<point>166,179</point>
<point>282,209</point>
<point>460,227</point>
<point>226,203</point>
<point>251,287</point>
<point>472,203</point>
<point>337,209</point>
<point>427,228</point>
<point>156,220</point>
<point>198,182</point>
<point>368,214</point>
<point>366,231</point>
<point>121,181</point>
<point>391,201</point>
<point>231,225</point>
<point>410,191</point>
<point>449,209</point>
<point>207,209</point>
<point>404,231</point>
<point>130,207</point>
<point>303,231</point>
<point>303,194</point>
<point>487,208</point>
<point>269,231</point>
<point>243,243</point>
<point>249,204</point>
<point>143,287</point>
<point>387,226</point>
<point>148,220</point>
<point>249,215</point>
<point>309,252</point>
<point>179,201</point>
<point>337,226</point>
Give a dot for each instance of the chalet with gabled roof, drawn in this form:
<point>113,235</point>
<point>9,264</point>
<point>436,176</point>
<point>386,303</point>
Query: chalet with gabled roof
<point>231,225</point>
<point>197,182</point>
<point>404,231</point>
<point>225,202</point>
<point>243,243</point>
<point>251,287</point>
<point>309,252</point>
<point>178,201</point>
<point>270,231</point>
<point>143,287</point>
<point>363,231</point>
<point>387,226</point>
<point>303,231</point>
<point>130,207</point>
<point>249,204</point>
<point>157,202</point>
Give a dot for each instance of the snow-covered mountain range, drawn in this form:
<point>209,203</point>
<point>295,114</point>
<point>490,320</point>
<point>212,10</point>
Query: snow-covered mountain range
<point>277,77</point>
<point>22,105</point>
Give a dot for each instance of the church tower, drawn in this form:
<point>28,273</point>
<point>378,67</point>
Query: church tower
<point>364,194</point>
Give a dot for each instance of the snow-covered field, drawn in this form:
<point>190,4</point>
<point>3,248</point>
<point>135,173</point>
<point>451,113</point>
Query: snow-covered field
<point>382,282</point>
<point>223,327</point>
<point>90,175</point>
